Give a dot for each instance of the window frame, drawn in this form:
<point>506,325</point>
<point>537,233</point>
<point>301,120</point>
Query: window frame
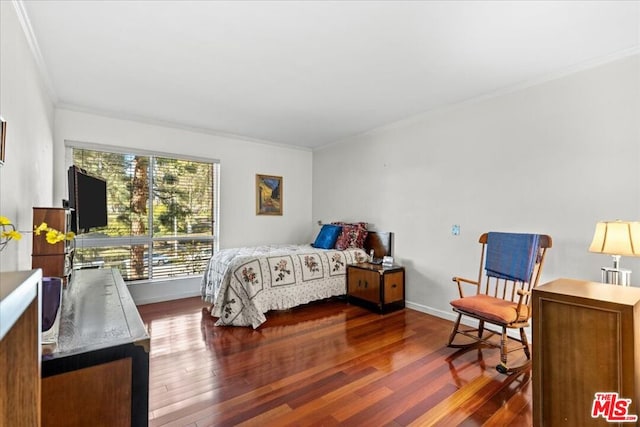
<point>149,239</point>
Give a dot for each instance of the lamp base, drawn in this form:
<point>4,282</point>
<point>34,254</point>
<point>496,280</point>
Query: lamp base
<point>616,276</point>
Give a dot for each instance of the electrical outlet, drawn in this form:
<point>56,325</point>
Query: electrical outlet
<point>455,230</point>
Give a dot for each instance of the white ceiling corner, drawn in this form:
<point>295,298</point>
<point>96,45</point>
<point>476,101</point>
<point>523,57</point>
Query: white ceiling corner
<point>35,48</point>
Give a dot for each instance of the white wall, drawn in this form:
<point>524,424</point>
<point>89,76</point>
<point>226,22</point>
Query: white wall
<point>25,178</point>
<point>240,161</point>
<point>553,158</point>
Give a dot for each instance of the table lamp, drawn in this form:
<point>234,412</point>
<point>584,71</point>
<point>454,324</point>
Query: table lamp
<point>616,238</point>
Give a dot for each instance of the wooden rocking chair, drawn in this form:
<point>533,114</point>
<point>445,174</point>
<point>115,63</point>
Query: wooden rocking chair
<point>510,267</point>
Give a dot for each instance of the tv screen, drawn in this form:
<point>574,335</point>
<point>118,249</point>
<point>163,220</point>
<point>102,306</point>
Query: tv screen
<point>88,199</point>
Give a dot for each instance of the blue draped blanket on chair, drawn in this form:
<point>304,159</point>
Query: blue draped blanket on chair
<point>511,255</point>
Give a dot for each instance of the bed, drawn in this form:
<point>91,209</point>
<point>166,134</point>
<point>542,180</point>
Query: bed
<point>242,284</point>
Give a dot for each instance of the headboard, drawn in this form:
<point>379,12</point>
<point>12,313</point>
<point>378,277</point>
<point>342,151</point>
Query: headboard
<point>381,242</point>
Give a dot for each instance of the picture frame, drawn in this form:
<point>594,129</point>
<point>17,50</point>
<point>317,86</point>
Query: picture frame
<point>3,137</point>
<point>268,195</point>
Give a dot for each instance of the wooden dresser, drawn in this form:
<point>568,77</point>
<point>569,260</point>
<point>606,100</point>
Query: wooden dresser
<point>586,340</point>
<point>20,348</point>
<point>98,374</point>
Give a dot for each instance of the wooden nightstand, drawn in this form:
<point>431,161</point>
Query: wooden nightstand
<point>376,287</point>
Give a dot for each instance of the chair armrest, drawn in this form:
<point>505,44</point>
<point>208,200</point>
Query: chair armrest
<point>460,280</point>
<point>522,294</point>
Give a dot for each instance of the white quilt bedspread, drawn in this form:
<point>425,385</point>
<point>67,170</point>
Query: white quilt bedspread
<point>244,283</point>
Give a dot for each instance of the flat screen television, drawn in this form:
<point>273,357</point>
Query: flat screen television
<point>87,199</point>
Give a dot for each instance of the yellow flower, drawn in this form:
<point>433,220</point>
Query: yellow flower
<point>42,227</point>
<point>8,231</point>
<point>13,234</point>
<point>54,236</point>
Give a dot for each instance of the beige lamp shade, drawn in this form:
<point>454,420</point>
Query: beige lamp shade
<point>617,238</point>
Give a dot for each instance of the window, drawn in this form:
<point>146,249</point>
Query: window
<point>161,214</point>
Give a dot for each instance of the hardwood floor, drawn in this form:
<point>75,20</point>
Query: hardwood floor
<point>327,363</point>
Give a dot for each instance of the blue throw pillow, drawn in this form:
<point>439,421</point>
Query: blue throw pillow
<point>327,236</point>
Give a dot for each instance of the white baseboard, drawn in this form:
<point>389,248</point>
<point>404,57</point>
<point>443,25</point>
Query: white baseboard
<point>449,315</point>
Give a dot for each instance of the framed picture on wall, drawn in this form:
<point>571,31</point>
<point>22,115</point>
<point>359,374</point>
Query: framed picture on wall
<point>268,195</point>
<point>3,137</point>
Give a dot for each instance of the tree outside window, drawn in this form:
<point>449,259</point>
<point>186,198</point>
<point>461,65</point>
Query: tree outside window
<point>161,215</point>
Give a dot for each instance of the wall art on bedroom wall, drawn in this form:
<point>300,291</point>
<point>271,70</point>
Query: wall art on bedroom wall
<point>268,195</point>
<point>3,137</point>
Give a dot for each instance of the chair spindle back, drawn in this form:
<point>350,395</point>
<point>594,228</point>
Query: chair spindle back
<point>507,289</point>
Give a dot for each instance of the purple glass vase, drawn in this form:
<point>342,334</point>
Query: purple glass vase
<point>51,299</point>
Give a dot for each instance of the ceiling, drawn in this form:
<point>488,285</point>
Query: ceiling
<point>310,73</point>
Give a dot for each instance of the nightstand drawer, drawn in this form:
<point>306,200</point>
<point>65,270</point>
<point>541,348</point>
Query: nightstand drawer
<point>393,287</point>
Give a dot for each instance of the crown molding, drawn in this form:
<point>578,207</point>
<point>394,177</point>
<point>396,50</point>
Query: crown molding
<point>416,118</point>
<point>29,34</point>
<point>175,125</point>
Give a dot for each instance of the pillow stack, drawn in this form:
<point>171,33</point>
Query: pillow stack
<point>341,236</point>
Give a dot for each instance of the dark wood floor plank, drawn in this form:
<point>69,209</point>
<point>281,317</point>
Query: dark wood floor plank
<point>326,363</point>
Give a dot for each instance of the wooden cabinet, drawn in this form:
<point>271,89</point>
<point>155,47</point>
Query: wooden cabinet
<point>376,287</point>
<point>20,348</point>
<point>98,374</point>
<point>54,260</point>
<point>586,340</point>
